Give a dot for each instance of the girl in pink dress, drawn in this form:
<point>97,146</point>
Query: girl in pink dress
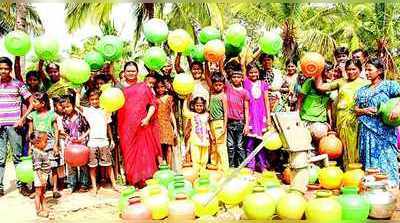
<point>259,115</point>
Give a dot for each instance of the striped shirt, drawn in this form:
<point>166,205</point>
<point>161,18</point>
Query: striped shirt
<point>10,101</point>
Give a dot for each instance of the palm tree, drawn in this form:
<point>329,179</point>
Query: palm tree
<point>21,15</point>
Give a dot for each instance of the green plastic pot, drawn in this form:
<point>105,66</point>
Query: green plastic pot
<point>17,43</point>
<point>385,109</point>
<point>75,70</point>
<point>209,33</point>
<point>95,60</point>
<point>46,48</point>
<point>164,175</point>
<point>24,170</point>
<point>235,35</point>
<point>232,51</point>
<point>155,58</point>
<point>197,53</point>
<point>155,31</point>
<point>354,206</point>
<point>271,43</point>
<point>124,197</point>
<point>111,47</point>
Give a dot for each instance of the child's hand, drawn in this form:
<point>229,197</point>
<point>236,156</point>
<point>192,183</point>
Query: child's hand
<point>112,144</point>
<point>246,130</point>
<point>144,122</point>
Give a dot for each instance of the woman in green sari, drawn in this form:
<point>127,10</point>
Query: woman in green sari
<point>346,119</point>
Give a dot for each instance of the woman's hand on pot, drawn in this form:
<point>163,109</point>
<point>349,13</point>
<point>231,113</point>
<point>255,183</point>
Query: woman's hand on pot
<point>144,122</point>
<point>394,114</point>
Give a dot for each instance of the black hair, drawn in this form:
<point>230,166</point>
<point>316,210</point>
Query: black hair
<point>196,63</point>
<point>251,66</point>
<point>42,98</point>
<point>36,134</point>
<point>198,99</point>
<point>290,61</point>
<point>102,76</point>
<point>50,65</point>
<point>264,56</point>
<point>93,91</point>
<point>7,61</point>
<point>341,50</point>
<point>217,77</point>
<point>328,66</point>
<point>32,73</point>
<point>356,63</point>
<point>131,63</point>
<point>237,72</point>
<point>151,75</point>
<point>365,53</point>
<point>233,65</point>
<point>376,62</point>
<point>69,97</point>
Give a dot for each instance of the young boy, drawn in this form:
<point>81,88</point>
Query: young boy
<point>42,168</point>
<point>218,121</point>
<point>100,137</point>
<point>238,118</point>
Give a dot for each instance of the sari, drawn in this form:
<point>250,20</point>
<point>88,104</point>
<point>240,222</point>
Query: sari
<point>378,141</point>
<point>346,119</point>
<point>140,145</point>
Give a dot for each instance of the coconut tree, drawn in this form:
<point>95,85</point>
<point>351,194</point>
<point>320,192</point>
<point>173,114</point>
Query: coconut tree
<point>21,15</point>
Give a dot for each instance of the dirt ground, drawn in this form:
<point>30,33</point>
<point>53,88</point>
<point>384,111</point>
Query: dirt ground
<point>76,207</point>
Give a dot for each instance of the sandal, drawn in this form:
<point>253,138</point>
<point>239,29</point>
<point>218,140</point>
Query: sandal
<point>83,190</point>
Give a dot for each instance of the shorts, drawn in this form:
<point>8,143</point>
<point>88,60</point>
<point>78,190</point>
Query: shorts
<point>100,156</point>
<point>37,182</point>
<point>54,159</point>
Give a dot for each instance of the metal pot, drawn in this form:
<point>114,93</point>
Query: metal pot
<point>383,202</point>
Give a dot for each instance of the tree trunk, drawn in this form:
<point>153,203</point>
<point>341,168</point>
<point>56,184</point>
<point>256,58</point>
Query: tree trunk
<point>149,7</point>
<point>20,24</point>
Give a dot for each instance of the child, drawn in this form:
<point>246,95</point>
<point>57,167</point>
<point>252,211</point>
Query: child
<point>166,120</point>
<point>198,130</point>
<point>41,166</point>
<point>75,129</point>
<point>44,120</point>
<point>218,118</point>
<point>238,118</point>
<point>259,114</point>
<point>99,143</point>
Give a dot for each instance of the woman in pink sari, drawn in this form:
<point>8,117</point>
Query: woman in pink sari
<point>138,129</point>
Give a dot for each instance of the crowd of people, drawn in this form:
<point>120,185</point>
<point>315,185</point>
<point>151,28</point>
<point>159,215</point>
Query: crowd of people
<point>218,124</point>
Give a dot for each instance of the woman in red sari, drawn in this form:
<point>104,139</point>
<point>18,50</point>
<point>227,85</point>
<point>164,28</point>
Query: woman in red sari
<point>138,129</point>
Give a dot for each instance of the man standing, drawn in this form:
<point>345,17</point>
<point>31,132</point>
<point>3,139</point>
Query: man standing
<point>11,91</point>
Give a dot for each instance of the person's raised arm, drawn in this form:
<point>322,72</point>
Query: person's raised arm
<point>178,67</point>
<point>113,79</point>
<point>78,99</point>
<point>324,87</point>
<point>17,69</point>
<point>207,74</point>
<point>42,74</point>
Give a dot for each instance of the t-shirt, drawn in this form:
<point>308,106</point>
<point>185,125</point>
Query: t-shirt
<point>315,104</point>
<point>236,98</point>
<point>10,101</point>
<point>98,120</point>
<point>201,89</point>
<point>216,107</point>
<point>200,127</point>
<point>43,122</point>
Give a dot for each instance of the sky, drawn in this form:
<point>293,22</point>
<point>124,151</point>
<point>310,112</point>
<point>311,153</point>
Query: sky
<point>52,16</point>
